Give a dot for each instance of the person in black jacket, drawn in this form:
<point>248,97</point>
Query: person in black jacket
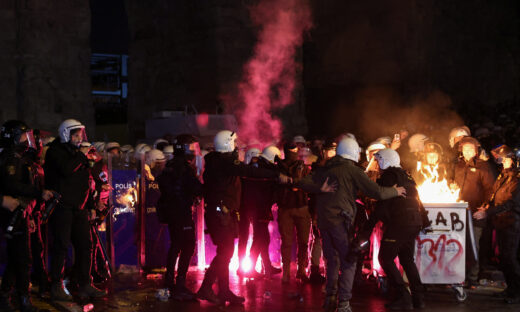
<point>257,201</point>
<point>67,171</point>
<point>180,187</point>
<point>16,180</point>
<point>503,209</point>
<point>475,178</point>
<point>222,187</point>
<point>403,218</point>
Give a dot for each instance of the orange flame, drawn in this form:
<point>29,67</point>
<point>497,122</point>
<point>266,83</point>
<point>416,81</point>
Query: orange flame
<point>434,189</point>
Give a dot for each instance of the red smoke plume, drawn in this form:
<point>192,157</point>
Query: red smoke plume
<point>269,76</point>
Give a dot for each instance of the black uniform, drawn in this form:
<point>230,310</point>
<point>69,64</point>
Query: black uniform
<point>16,180</point>
<point>475,179</point>
<point>67,172</point>
<point>179,188</point>
<point>222,187</point>
<point>256,204</point>
<point>504,213</point>
<point>402,219</point>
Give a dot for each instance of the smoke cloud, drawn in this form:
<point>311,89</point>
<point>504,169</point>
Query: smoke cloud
<point>269,77</point>
<point>382,112</point>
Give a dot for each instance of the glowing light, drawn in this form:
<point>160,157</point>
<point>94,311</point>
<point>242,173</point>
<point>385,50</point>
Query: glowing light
<point>434,189</point>
<point>202,120</point>
<point>246,264</point>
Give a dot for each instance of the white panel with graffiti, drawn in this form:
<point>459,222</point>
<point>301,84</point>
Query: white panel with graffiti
<point>440,255</point>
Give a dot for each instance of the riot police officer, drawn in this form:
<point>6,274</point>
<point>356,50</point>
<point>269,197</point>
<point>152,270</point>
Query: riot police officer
<point>180,187</point>
<point>503,209</point>
<point>403,218</point>
<point>257,201</point>
<point>16,179</point>
<point>222,200</point>
<point>67,171</point>
<point>475,178</point>
<point>336,215</point>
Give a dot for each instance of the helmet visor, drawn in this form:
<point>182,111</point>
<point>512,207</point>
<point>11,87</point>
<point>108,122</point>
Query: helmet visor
<point>28,138</point>
<point>78,135</point>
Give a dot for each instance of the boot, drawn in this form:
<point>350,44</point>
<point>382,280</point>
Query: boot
<point>286,277</point>
<point>271,270</point>
<point>302,274</point>
<point>58,293</point>
<point>90,291</point>
<point>418,301</point>
<point>26,304</point>
<point>403,301</point>
<point>229,296</point>
<point>206,293</point>
<point>330,303</point>
<point>344,306</point>
<point>315,277</point>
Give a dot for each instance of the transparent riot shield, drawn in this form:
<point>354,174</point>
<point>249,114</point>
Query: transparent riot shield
<point>156,239</point>
<point>122,221</point>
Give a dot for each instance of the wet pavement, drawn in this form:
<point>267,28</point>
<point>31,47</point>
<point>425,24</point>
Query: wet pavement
<point>132,292</point>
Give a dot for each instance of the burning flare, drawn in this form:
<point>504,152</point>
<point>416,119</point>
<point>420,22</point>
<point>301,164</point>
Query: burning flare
<point>434,189</point>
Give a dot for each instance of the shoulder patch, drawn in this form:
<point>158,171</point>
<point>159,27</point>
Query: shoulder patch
<point>236,162</point>
<point>11,170</point>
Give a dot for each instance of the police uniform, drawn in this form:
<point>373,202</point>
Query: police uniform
<point>403,218</point>
<point>222,189</point>
<point>16,179</point>
<point>504,213</point>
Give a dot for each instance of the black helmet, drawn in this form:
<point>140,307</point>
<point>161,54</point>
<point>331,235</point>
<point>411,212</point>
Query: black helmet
<point>12,131</point>
<point>469,140</point>
<point>186,144</point>
<point>501,152</point>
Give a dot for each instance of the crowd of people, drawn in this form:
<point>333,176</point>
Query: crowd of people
<point>317,187</point>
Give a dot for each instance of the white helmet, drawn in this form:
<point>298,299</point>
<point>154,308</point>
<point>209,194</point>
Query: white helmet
<point>348,148</point>
<point>225,141</point>
<point>154,155</point>
<point>386,140</point>
<point>299,139</point>
<point>141,149</point>
<point>270,152</point>
<point>67,126</point>
<point>111,145</point>
<point>127,148</point>
<point>387,158</point>
<point>168,152</point>
<point>416,142</point>
<point>160,142</point>
<point>251,153</point>
<point>458,132</point>
<point>374,147</point>
<point>100,146</point>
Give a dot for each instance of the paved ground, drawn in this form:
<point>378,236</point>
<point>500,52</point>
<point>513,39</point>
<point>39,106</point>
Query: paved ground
<point>131,292</point>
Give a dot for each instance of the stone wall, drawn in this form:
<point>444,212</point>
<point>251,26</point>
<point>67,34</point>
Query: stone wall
<point>45,61</point>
